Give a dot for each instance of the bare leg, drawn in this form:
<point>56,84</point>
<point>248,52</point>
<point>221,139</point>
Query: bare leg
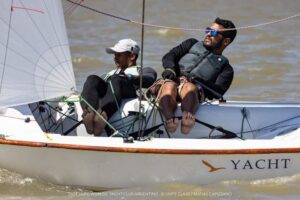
<point>99,123</point>
<point>168,105</point>
<point>189,106</point>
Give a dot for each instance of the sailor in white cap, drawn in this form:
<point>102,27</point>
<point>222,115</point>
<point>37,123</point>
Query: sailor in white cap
<point>125,79</point>
<point>123,46</point>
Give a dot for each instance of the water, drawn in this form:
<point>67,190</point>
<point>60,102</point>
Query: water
<point>265,59</point>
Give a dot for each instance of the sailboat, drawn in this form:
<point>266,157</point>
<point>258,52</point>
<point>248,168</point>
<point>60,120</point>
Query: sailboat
<point>41,135</point>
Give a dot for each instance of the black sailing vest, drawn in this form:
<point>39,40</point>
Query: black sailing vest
<point>202,63</point>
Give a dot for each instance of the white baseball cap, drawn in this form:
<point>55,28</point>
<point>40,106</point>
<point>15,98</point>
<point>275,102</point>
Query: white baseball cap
<point>123,46</point>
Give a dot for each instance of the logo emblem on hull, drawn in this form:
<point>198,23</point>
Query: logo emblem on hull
<point>211,167</point>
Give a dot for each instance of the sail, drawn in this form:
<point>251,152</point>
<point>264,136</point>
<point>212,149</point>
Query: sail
<point>35,60</point>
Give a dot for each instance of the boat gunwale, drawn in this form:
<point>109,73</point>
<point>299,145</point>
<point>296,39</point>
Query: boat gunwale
<point>149,150</point>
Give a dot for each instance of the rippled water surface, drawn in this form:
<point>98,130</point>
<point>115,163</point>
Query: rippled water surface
<point>266,61</point>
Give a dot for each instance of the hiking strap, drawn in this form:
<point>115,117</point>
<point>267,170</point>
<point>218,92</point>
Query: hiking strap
<point>227,134</point>
<point>72,128</point>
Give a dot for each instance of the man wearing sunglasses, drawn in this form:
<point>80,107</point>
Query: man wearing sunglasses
<point>195,70</point>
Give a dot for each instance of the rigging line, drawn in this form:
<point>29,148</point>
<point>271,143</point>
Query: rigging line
<point>59,123</point>
<point>119,125</point>
<point>249,125</point>
<point>162,119</point>
<point>141,71</point>
<point>56,35</point>
<point>115,99</point>
<point>48,118</point>
<point>28,44</point>
<point>267,23</point>
<point>181,28</point>
<point>159,111</point>
<point>33,109</point>
<point>98,11</point>
<point>39,30</point>
<point>42,119</point>
<point>129,124</point>
<point>118,120</point>
<point>62,127</point>
<point>280,122</point>
<point>98,114</point>
<point>296,125</point>
<point>149,117</point>
<point>6,50</point>
<point>275,125</point>
<point>131,127</point>
<point>72,8</point>
<point>51,118</point>
<point>64,100</point>
<point>155,106</point>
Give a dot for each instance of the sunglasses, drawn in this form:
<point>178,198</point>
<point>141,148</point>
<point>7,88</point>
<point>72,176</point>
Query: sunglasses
<point>212,32</point>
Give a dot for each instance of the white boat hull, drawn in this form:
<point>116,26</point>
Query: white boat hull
<point>108,162</point>
<point>122,165</point>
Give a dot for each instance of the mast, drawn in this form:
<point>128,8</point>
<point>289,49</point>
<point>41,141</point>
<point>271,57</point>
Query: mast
<point>141,73</point>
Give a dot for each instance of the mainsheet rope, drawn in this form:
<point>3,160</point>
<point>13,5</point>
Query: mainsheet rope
<point>179,28</point>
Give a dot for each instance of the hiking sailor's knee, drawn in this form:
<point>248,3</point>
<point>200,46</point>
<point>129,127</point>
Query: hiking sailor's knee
<point>92,81</point>
<point>95,82</point>
<point>169,88</point>
<point>189,87</point>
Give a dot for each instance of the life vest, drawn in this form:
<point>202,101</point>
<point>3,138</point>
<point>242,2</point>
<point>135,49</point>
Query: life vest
<point>133,70</point>
<point>203,63</point>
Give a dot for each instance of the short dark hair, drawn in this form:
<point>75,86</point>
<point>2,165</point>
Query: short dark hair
<point>227,25</point>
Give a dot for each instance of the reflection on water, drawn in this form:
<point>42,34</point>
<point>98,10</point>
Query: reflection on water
<point>265,60</point>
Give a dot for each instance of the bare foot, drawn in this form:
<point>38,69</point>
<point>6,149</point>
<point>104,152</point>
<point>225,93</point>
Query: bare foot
<point>99,123</point>
<point>171,124</point>
<point>87,119</point>
<point>187,122</point>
